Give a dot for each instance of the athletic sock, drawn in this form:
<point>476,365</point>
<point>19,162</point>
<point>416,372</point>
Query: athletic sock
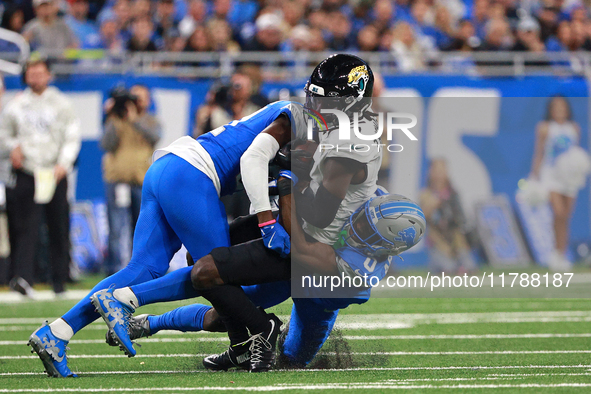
<point>236,311</point>
<point>185,318</point>
<point>173,286</point>
<point>61,329</point>
<point>126,296</point>
<point>83,313</point>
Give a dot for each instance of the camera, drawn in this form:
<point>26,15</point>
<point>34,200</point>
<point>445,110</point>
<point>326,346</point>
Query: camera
<point>121,97</point>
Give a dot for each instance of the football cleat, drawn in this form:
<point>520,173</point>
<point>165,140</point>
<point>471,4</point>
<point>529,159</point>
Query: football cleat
<point>117,315</point>
<point>52,352</point>
<point>263,346</point>
<point>237,356</point>
<point>139,327</point>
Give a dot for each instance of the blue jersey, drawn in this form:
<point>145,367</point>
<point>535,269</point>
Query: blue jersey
<point>227,143</point>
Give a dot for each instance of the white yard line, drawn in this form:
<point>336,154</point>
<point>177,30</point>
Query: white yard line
<point>397,321</point>
<point>326,386</point>
<point>492,352</point>
<point>448,368</point>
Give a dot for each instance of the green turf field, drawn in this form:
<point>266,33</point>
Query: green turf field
<point>417,345</point>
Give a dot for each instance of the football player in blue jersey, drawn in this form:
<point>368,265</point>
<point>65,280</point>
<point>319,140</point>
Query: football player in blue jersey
<point>180,205</point>
<point>383,227</point>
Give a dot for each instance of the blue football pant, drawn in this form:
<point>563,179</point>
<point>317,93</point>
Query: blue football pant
<point>180,205</point>
<point>310,325</point>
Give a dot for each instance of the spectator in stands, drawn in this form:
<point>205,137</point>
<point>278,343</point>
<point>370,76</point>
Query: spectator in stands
<point>141,39</point>
<point>498,36</point>
<point>299,39</point>
<point>198,41</point>
<point>383,15</point>
<point>579,41</point>
<point>226,103</point>
<point>563,39</point>
<point>141,8</point>
<point>317,42</point>
<point>340,29</point>
<point>293,12</point>
<point>480,17</point>
<point>579,13</point>
<point>318,19</point>
<point>86,32</point>
<point>173,41</point>
<point>220,36</point>
<point>268,35</point>
<point>422,15</point>
<point>13,19</point>
<point>122,11</point>
<point>164,17</point>
<point>42,133</point>
<point>528,36</point>
<point>130,135</point>
<point>221,9</point>
<point>110,36</point>
<point>196,16</point>
<point>368,39</point>
<point>465,39</point>
<point>442,32</point>
<point>47,31</point>
<point>405,48</point>
<point>449,250</point>
<point>548,18</point>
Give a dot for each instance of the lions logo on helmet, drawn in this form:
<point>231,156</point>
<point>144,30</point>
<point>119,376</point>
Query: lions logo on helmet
<point>358,78</point>
<point>407,236</point>
<point>385,225</point>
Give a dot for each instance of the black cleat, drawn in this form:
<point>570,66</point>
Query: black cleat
<point>263,346</point>
<point>237,356</point>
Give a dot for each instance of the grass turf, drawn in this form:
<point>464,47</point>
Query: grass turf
<point>446,345</point>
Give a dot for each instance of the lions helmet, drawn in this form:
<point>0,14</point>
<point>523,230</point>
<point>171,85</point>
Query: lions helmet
<point>386,225</point>
<point>341,76</point>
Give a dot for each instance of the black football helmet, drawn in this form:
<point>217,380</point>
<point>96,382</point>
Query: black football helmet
<point>341,76</point>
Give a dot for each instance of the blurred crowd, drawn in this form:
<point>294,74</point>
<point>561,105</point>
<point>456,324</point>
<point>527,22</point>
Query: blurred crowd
<point>409,27</point>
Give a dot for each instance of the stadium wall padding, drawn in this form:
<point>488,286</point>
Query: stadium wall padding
<point>500,153</point>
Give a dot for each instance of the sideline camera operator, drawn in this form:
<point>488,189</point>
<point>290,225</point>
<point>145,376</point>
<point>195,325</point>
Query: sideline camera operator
<point>130,134</point>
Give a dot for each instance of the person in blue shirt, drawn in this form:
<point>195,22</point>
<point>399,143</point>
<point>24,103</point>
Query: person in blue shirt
<point>86,31</point>
<point>385,226</point>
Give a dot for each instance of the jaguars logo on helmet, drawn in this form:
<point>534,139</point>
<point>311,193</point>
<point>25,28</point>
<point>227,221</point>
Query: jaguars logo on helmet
<point>358,78</point>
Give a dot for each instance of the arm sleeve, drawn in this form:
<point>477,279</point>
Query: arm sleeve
<point>317,209</point>
<point>321,208</point>
<point>149,127</point>
<point>8,130</point>
<point>255,171</point>
<point>71,140</point>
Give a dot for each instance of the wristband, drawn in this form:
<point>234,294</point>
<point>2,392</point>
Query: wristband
<point>267,223</point>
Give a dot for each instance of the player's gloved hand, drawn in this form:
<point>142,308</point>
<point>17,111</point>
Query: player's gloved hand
<point>290,175</point>
<point>275,237</point>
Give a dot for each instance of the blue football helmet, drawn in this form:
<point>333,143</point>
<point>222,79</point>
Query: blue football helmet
<point>385,225</point>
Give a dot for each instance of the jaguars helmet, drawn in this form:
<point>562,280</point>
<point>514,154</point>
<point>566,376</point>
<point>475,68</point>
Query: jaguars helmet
<point>385,225</point>
<point>342,76</point>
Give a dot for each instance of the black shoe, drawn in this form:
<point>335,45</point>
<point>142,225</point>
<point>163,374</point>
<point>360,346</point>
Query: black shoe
<point>22,286</point>
<point>237,356</point>
<point>263,346</point>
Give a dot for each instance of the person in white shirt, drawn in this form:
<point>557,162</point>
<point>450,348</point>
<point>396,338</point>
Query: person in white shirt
<point>41,132</point>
